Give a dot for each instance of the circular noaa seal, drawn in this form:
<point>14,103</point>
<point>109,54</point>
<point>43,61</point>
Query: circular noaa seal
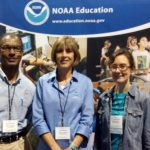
<point>36,12</point>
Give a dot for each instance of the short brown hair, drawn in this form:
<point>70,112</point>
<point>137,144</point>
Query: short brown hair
<point>67,41</point>
<point>125,52</point>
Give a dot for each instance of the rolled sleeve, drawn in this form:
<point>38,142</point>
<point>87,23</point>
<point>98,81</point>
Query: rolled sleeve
<point>38,120</point>
<point>86,121</point>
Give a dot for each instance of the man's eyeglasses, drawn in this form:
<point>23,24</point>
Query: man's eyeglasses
<point>7,48</point>
<point>121,67</point>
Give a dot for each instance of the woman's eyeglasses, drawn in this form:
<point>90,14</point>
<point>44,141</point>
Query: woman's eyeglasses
<point>121,67</point>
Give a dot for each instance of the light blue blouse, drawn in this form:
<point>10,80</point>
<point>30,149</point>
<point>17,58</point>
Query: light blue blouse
<point>78,114</point>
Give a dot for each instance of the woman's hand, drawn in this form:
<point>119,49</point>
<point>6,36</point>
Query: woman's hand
<point>50,141</point>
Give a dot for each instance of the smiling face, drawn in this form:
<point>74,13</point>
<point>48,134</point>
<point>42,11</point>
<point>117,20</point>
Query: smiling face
<point>120,69</point>
<point>65,53</point>
<point>10,51</point>
<point>65,57</point>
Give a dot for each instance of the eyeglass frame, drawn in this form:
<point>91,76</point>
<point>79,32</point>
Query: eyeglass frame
<point>118,66</point>
<point>7,48</point>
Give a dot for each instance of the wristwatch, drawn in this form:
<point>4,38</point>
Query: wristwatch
<point>73,147</point>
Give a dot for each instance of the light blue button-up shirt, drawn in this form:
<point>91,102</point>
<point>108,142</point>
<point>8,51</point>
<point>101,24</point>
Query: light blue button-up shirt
<point>78,114</point>
<point>21,93</point>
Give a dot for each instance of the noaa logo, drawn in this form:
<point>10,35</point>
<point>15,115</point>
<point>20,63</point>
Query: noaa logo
<point>36,12</point>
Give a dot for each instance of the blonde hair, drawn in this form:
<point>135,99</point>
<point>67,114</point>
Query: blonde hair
<point>68,42</point>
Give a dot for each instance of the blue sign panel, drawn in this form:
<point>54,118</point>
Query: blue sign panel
<point>69,17</point>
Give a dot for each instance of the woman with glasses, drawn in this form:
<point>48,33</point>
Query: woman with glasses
<point>123,114</point>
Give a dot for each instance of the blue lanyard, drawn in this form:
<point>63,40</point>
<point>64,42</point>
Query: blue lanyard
<point>61,107</point>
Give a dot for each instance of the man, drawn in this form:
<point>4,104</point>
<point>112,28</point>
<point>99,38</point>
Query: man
<point>16,92</point>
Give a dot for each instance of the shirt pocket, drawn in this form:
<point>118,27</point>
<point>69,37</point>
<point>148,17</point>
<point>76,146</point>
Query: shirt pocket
<point>134,119</point>
<point>21,105</point>
<point>76,99</point>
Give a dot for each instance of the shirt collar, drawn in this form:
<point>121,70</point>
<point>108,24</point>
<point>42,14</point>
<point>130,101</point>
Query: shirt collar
<point>132,90</point>
<point>4,77</point>
<point>52,76</point>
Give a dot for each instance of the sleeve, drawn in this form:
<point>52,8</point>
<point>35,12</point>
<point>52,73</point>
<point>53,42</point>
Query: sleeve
<point>38,120</point>
<point>97,139</point>
<point>29,112</point>
<point>86,120</point>
<point>146,127</point>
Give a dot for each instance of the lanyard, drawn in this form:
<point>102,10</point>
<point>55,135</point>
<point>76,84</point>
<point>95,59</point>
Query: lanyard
<point>10,99</point>
<point>61,107</point>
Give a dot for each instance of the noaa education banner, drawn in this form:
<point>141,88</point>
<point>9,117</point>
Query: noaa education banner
<point>92,22</point>
<point>80,17</point>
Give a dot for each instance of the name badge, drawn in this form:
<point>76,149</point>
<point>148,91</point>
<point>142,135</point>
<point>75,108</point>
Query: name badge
<point>116,124</point>
<point>62,133</point>
<point>10,126</point>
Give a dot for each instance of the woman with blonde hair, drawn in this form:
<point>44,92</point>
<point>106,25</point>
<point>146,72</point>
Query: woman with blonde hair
<point>63,102</point>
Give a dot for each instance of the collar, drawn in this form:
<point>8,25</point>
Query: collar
<point>131,92</point>
<point>5,79</point>
<point>52,76</point>
<point>107,95</point>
